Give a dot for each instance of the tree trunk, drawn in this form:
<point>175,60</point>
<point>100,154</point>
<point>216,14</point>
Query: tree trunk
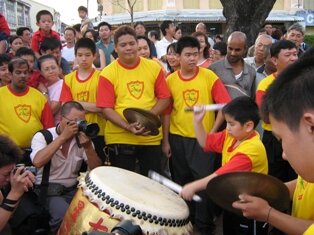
<point>247,16</point>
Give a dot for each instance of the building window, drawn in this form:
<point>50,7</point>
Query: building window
<point>308,4</point>
<point>20,15</point>
<point>118,6</point>
<point>27,17</point>
<point>154,5</point>
<point>188,4</point>
<point>10,7</point>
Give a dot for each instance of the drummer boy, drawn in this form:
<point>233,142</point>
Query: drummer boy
<point>289,106</point>
<point>242,150</point>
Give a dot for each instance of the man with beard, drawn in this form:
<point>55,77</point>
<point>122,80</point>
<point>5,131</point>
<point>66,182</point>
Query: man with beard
<point>237,76</point>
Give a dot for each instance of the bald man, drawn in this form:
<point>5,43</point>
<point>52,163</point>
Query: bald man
<point>201,27</point>
<point>237,76</point>
<point>258,60</point>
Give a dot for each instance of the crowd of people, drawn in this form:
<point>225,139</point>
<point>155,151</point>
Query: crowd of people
<point>96,74</point>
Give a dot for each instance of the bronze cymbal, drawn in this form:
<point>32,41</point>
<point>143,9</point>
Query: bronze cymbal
<point>150,121</point>
<point>225,189</point>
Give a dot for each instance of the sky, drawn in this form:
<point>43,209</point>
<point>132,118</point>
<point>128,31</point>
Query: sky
<point>68,9</point>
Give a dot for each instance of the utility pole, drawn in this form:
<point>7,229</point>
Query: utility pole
<point>87,3</point>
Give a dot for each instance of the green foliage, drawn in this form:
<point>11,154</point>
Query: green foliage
<point>309,39</point>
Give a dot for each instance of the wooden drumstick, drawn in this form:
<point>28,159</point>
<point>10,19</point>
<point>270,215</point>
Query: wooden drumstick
<point>170,184</point>
<point>208,107</point>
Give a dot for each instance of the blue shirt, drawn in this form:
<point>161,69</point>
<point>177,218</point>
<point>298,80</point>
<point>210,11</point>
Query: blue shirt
<point>107,50</point>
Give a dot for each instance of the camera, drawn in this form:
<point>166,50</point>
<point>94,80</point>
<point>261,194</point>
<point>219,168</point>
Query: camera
<point>125,227</point>
<point>32,169</point>
<point>90,129</point>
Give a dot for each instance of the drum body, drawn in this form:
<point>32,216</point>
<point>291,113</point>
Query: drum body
<point>108,195</point>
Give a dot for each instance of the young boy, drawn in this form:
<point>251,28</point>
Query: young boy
<point>44,21</point>
<point>28,55</point>
<point>242,150</point>
<point>81,86</point>
<point>191,85</point>
<point>5,77</point>
<point>289,106</point>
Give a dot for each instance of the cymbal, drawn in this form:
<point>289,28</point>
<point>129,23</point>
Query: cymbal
<point>225,189</point>
<point>150,121</point>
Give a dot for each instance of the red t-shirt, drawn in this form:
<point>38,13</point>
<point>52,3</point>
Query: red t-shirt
<point>39,37</point>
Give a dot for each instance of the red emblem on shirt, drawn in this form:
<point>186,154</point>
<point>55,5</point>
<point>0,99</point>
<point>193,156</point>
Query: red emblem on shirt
<point>23,111</point>
<point>190,97</point>
<point>136,89</point>
<point>83,96</point>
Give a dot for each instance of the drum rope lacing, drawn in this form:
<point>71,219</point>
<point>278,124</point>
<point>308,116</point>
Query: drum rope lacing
<point>131,210</point>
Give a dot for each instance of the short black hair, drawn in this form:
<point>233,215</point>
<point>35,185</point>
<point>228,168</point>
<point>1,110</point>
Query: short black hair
<point>154,33</point>
<point>44,58</point>
<point>187,41</point>
<point>148,43</point>
<point>70,29</point>
<point>24,51</point>
<point>93,32</point>
<point>165,25</point>
<point>68,106</point>
<point>243,109</point>
<point>123,30</point>
<point>10,153</point>
<point>16,62</point>
<point>50,44</point>
<point>276,47</point>
<point>12,38</point>
<point>20,30</point>
<point>103,24</point>
<point>221,46</point>
<point>77,27</point>
<point>85,43</point>
<point>139,23</point>
<point>42,13</point>
<point>4,59</point>
<point>82,8</point>
<point>291,94</point>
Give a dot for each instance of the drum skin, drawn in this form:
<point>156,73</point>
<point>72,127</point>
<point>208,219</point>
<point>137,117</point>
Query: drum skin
<point>108,195</point>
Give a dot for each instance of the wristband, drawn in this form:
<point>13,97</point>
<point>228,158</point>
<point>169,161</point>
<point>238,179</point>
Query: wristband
<point>7,208</point>
<point>9,201</point>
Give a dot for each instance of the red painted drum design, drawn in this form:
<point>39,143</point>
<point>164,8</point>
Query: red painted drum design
<point>108,195</point>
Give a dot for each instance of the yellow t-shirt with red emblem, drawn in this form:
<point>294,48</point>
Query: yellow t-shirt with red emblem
<point>310,230</point>
<point>84,91</point>
<point>303,203</point>
<point>122,87</point>
<point>22,115</point>
<point>235,158</point>
<point>260,92</point>
<point>203,88</point>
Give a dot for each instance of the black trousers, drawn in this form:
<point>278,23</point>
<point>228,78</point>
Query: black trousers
<point>277,166</point>
<point>189,163</point>
<point>238,225</point>
<point>126,156</point>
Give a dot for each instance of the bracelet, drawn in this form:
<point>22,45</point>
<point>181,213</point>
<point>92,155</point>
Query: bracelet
<point>270,208</point>
<point>7,208</point>
<point>9,201</point>
<point>266,222</point>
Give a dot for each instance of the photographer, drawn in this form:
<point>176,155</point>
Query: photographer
<point>70,146</point>
<point>19,180</point>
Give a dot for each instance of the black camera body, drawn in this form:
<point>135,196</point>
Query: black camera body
<point>125,227</point>
<point>89,129</point>
<point>32,169</point>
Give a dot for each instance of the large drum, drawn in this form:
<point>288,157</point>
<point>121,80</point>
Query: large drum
<point>108,195</point>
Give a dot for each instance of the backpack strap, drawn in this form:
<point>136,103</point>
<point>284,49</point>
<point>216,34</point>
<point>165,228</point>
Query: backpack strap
<point>45,178</point>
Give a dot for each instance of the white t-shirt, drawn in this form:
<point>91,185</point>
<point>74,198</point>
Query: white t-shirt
<point>54,92</point>
<point>63,170</point>
<point>68,53</point>
<point>161,48</point>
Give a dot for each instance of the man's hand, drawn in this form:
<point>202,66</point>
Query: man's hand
<point>84,140</point>
<point>137,129</point>
<point>253,207</point>
<point>70,130</point>
<point>21,181</point>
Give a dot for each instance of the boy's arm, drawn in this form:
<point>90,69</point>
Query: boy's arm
<point>190,189</point>
<point>91,107</point>
<point>291,185</point>
<point>200,132</point>
<point>165,130</point>
<point>218,122</point>
<point>259,209</point>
